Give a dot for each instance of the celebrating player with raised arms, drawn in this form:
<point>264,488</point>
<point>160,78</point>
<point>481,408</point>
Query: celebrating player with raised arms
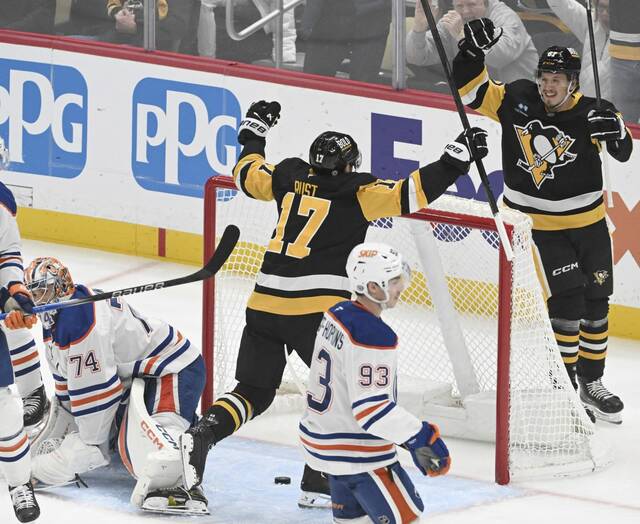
<point>324,209</point>
<point>120,377</point>
<point>551,139</point>
<point>352,422</point>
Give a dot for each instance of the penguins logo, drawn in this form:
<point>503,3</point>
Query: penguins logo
<point>600,276</point>
<point>545,148</point>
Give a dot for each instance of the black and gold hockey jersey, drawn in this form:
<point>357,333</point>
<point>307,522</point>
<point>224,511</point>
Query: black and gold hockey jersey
<point>551,166</point>
<point>320,219</point>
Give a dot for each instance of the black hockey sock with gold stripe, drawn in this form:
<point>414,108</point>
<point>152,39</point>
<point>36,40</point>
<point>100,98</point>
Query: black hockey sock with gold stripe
<point>230,411</point>
<point>594,337</point>
<point>567,334</point>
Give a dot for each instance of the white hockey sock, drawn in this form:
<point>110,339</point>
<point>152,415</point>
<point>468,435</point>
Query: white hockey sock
<point>15,455</point>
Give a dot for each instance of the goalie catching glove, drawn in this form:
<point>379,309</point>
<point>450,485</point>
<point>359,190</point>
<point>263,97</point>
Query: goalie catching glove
<point>606,125</point>
<point>428,451</point>
<point>260,117</point>
<point>16,300</point>
<point>479,36</point>
<point>469,146</point>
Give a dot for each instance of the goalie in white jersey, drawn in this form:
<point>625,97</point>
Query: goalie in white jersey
<point>352,422</point>
<point>122,377</point>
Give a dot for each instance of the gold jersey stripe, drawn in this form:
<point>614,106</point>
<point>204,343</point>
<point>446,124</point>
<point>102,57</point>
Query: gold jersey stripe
<point>292,306</point>
<point>558,222</point>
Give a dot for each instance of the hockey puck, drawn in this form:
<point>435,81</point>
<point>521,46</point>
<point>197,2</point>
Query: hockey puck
<point>282,480</point>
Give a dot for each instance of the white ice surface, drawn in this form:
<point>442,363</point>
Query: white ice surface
<point>240,471</point>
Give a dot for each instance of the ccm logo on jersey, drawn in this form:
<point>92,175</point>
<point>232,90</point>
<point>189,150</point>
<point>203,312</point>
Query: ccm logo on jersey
<point>182,134</point>
<point>43,117</point>
<point>564,269</point>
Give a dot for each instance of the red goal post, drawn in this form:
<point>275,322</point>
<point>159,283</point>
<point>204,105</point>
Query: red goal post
<point>473,331</point>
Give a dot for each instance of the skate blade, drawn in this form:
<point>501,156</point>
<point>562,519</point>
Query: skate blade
<point>177,511</point>
<point>611,418</point>
<point>310,499</point>
<point>194,509</point>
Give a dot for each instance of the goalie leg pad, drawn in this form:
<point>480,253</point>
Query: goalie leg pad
<point>58,422</point>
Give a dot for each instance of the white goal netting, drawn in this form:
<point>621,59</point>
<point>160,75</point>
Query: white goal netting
<point>465,306</point>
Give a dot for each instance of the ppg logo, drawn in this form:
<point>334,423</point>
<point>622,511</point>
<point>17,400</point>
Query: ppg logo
<point>182,135</point>
<point>43,117</point>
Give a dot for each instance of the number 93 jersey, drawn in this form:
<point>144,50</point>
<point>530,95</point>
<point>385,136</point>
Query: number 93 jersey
<point>352,421</point>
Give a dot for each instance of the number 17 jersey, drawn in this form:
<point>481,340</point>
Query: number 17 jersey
<point>320,219</point>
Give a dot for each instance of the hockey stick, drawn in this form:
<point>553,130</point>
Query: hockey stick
<point>225,247</point>
<point>596,80</point>
<point>502,232</point>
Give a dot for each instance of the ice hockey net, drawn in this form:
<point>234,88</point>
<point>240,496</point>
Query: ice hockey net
<point>477,354</point>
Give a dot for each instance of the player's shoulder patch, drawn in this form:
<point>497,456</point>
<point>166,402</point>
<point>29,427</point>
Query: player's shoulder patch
<point>74,323</point>
<point>7,200</point>
<point>363,328</point>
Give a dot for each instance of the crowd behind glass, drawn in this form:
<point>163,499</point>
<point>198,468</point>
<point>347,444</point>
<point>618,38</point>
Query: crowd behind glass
<point>348,38</point>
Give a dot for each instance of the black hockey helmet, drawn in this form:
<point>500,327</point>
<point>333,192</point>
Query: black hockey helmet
<point>558,59</point>
<point>331,152</point>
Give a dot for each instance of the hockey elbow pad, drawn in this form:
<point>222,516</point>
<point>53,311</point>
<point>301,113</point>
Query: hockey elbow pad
<point>428,451</point>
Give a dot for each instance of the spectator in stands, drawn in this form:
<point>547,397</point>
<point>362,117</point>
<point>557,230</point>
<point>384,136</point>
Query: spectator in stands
<point>573,14</point>
<point>260,45</point>
<point>625,57</point>
<point>172,22</point>
<point>33,16</point>
<point>339,29</point>
<point>87,18</point>
<point>513,57</point>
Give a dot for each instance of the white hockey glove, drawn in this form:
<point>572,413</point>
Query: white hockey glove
<point>61,464</point>
<point>606,125</point>
<point>260,117</point>
<point>468,146</point>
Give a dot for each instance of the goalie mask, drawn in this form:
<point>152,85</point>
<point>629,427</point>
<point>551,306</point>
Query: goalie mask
<point>377,263</point>
<point>48,281</point>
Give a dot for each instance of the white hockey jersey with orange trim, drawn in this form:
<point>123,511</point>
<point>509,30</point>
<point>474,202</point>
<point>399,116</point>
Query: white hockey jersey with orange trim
<point>95,350</point>
<point>352,422</point>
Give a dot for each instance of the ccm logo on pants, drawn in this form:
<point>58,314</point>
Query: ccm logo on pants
<point>564,269</point>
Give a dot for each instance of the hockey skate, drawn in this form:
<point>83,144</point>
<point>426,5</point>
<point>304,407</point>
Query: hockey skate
<point>178,501</point>
<point>24,502</point>
<point>315,489</point>
<point>35,406</point>
<point>195,443</point>
<point>604,404</point>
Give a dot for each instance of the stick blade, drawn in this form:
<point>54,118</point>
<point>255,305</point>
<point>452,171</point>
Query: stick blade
<point>226,245</point>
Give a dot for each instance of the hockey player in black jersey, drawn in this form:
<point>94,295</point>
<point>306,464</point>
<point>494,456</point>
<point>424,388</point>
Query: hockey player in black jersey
<point>551,139</point>
<point>324,210</point>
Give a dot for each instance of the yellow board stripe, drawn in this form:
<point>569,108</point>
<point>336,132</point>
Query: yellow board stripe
<point>624,52</point>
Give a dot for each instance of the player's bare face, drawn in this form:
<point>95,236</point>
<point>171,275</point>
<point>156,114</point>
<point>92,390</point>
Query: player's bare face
<point>395,288</point>
<point>553,88</point>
